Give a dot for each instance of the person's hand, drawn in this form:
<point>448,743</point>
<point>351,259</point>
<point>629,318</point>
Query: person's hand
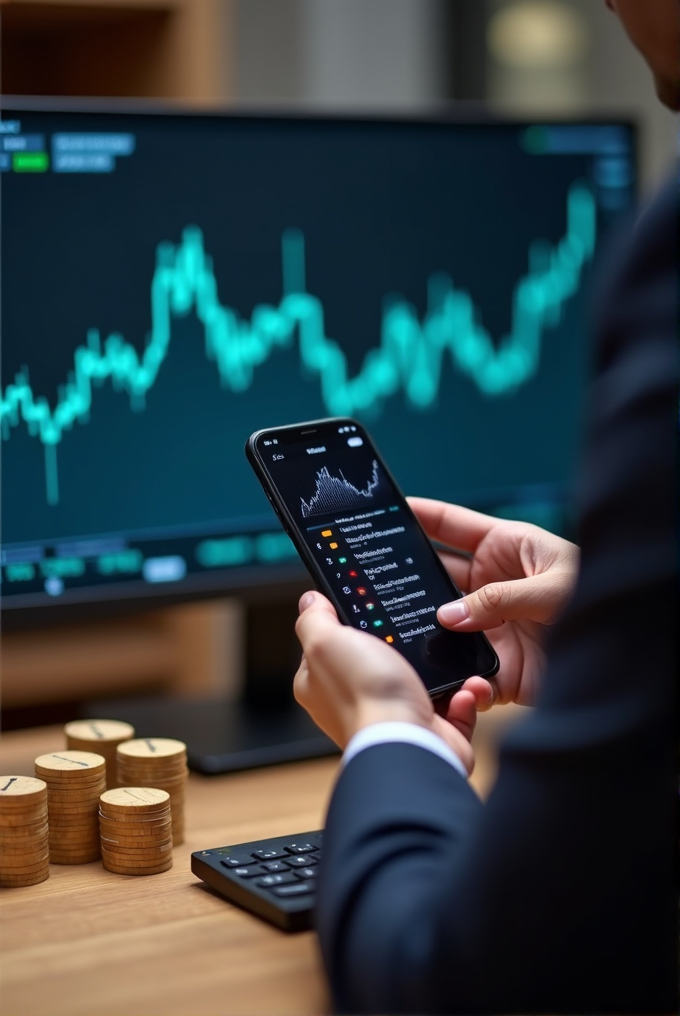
<point>349,679</point>
<point>518,579</point>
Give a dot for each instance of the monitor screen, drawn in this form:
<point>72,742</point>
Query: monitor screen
<point>173,281</point>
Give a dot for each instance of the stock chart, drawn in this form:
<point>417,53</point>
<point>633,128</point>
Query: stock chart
<point>171,284</point>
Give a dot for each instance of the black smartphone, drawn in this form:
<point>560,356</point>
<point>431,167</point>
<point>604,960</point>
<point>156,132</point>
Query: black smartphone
<point>364,547</point>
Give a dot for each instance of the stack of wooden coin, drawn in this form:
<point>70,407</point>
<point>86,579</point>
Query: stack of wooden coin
<point>24,843</point>
<point>75,780</point>
<point>102,736</point>
<point>136,830</point>
<point>157,762</point>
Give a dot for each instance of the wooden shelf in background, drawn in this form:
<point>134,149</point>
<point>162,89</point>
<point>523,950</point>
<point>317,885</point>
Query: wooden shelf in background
<point>175,49</point>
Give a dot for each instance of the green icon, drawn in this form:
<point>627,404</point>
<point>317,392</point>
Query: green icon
<point>377,624</point>
<point>342,560</point>
<point>30,162</point>
<point>370,606</point>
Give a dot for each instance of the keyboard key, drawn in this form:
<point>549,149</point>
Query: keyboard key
<point>236,860</point>
<point>300,848</point>
<point>295,889</point>
<point>248,871</point>
<point>307,872</point>
<point>269,854</point>
<point>271,880</point>
<point>301,861</point>
<point>275,866</point>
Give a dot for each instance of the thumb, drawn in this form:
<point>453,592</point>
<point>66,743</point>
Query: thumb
<point>529,599</point>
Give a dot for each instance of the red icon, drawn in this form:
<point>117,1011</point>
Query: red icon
<point>352,574</point>
<point>361,591</point>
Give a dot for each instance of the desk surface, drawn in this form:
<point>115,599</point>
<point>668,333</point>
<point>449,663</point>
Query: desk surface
<point>90,943</point>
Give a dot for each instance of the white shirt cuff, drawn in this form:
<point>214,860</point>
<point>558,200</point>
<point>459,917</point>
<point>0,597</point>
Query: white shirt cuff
<point>407,733</point>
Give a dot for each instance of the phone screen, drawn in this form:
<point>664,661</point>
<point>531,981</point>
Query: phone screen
<point>365,548</point>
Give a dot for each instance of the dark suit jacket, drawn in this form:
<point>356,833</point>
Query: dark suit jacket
<point>558,894</point>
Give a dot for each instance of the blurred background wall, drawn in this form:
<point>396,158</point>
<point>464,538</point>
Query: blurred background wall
<point>544,56</point>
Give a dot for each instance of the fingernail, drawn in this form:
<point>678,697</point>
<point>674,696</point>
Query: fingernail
<point>306,600</point>
<point>453,613</point>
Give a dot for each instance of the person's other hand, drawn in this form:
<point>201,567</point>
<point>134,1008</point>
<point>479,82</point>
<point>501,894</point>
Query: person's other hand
<point>349,679</point>
<point>517,578</point>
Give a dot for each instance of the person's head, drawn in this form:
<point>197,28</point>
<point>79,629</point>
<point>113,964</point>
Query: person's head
<point>654,28</point>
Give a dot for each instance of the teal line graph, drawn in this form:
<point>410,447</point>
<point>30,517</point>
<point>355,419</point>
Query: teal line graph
<point>409,356</point>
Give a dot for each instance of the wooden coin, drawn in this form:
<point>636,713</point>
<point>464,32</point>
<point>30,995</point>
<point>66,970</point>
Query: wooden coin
<point>19,883</point>
<point>129,854</point>
<point>21,791</point>
<point>66,795</point>
<point>121,869</point>
<point>142,779</point>
<point>116,836</point>
<point>29,868</point>
<point>135,828</point>
<point>22,850</point>
<point>11,821</point>
<point>79,775</point>
<point>76,781</point>
<point>139,799</point>
<point>88,731</point>
<point>152,747</point>
<point>87,794</point>
<point>9,834</point>
<point>32,847</point>
<point>69,761</point>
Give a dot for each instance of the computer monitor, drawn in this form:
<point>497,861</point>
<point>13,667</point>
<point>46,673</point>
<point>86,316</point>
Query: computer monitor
<point>172,281</point>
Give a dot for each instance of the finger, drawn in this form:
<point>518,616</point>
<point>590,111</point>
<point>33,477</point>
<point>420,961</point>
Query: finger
<point>318,616</point>
<point>312,598</point>
<point>529,599</point>
<point>301,681</point>
<point>484,690</point>
<point>451,524</point>
<point>462,712</point>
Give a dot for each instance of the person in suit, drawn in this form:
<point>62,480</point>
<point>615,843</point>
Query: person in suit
<point>557,894</point>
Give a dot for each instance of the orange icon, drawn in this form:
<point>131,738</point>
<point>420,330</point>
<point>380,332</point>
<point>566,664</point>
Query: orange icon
<point>333,546</point>
<point>361,591</point>
<point>389,638</point>
<point>327,532</point>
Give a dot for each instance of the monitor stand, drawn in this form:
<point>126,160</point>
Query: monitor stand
<point>264,726</point>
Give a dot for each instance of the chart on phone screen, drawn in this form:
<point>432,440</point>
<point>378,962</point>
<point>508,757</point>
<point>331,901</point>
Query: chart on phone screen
<point>335,493</point>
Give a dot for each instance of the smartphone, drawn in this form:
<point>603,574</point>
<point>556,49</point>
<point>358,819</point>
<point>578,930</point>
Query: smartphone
<point>364,547</point>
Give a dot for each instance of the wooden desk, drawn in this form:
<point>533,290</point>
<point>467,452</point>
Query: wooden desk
<point>90,943</point>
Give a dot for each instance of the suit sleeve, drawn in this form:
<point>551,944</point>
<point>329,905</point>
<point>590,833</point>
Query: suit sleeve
<point>558,894</point>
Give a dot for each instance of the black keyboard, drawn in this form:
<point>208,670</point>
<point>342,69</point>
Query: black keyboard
<point>273,878</point>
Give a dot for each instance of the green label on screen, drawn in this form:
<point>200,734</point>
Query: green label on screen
<point>30,162</point>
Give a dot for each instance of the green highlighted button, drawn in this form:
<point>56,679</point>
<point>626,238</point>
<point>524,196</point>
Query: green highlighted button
<point>30,162</point>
